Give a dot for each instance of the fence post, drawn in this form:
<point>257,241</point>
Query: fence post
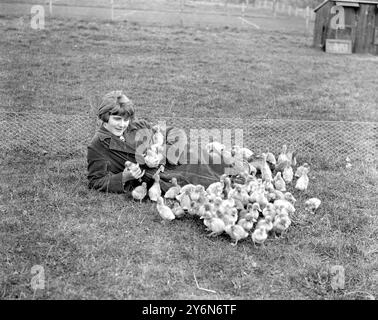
<point>50,7</point>
<point>307,19</point>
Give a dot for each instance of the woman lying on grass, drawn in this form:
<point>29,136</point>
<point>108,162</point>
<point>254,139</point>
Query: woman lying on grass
<point>122,138</point>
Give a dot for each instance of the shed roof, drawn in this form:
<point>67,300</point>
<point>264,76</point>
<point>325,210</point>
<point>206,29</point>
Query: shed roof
<point>352,1</point>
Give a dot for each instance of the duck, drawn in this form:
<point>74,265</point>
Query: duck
<point>266,173</point>
<point>281,223</point>
<point>270,158</point>
<point>266,223</point>
<point>302,182</point>
<point>215,225</point>
<point>312,204</point>
<point>254,210</point>
<point>259,235</point>
<point>157,136</point>
<point>299,171</point>
<point>173,191</point>
<point>155,191</point>
<point>279,183</point>
<point>164,211</point>
<point>177,210</point>
<point>247,222</point>
<point>282,158</point>
<point>230,216</point>
<point>184,199</point>
<point>269,210</point>
<point>140,192</point>
<point>288,173</point>
<point>236,232</point>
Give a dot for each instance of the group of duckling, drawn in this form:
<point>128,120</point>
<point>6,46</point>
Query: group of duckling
<point>253,202</point>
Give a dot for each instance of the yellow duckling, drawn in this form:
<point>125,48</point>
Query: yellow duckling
<point>279,183</point>
<point>262,200</point>
<point>155,191</point>
<point>158,136</point>
<point>198,193</point>
<point>301,168</point>
<point>289,197</point>
<point>247,222</point>
<point>140,192</point>
<point>215,189</point>
<point>190,187</point>
<point>184,199</point>
<point>269,210</point>
<point>266,173</point>
<point>302,182</point>
<point>164,211</point>
<point>266,223</point>
<point>254,210</point>
<point>259,235</point>
<point>312,204</point>
<point>236,232</point>
<point>230,216</point>
<point>152,159</point>
<point>288,173</point>
<point>177,210</point>
<point>215,225</point>
<point>270,157</point>
<point>281,224</point>
<point>173,191</point>
<point>283,203</point>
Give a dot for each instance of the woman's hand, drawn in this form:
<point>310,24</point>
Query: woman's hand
<point>132,172</point>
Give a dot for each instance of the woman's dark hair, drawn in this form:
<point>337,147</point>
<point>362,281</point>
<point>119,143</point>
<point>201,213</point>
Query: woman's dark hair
<point>125,110</point>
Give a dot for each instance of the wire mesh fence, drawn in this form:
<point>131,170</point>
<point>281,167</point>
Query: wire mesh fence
<point>64,135</point>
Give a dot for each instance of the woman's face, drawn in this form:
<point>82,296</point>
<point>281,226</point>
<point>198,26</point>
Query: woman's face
<point>117,125</point>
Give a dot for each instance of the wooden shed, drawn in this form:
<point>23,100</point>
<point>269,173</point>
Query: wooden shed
<point>349,24</point>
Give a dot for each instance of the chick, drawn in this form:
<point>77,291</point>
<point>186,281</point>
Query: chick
<point>312,204</point>
<point>173,191</point>
<point>164,211</point>
<point>140,192</point>
<point>184,199</point>
<point>281,224</point>
<point>236,232</point>
<point>177,210</point>
<point>302,182</point>
<point>266,223</point>
<point>215,225</point>
<point>288,173</point>
<point>269,210</point>
<point>259,235</point>
<point>300,169</point>
<point>247,222</point>
<point>230,216</point>
<point>279,183</point>
<point>155,191</point>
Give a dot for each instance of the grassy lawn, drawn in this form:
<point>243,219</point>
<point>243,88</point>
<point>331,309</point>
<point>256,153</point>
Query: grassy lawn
<point>104,246</point>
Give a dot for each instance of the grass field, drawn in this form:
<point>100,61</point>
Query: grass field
<point>104,246</point>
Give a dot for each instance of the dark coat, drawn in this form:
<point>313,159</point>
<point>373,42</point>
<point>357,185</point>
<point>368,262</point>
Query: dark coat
<point>107,154</point>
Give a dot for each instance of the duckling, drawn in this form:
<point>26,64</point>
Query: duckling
<point>230,216</point>
<point>288,173</point>
<point>270,157</point>
<point>194,208</point>
<point>173,191</point>
<point>241,152</point>
<point>254,210</point>
<point>240,196</point>
<point>140,192</point>
<point>215,189</point>
<point>262,200</point>
<point>291,156</point>
<point>281,224</point>
<point>302,182</point>
<point>259,235</point>
<point>312,204</point>
<point>189,187</point>
<point>157,136</point>
<point>206,210</point>
<point>282,158</point>
<point>164,211</point>
<point>284,204</point>
<point>184,199</point>
<point>152,159</point>
<point>269,210</point>
<point>266,173</point>
<point>299,171</point>
<point>155,191</point>
<point>236,232</point>
<point>266,223</point>
<point>177,210</point>
<point>289,197</point>
<point>215,225</point>
<point>227,187</point>
<point>198,193</point>
<point>247,222</point>
<point>279,183</point>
